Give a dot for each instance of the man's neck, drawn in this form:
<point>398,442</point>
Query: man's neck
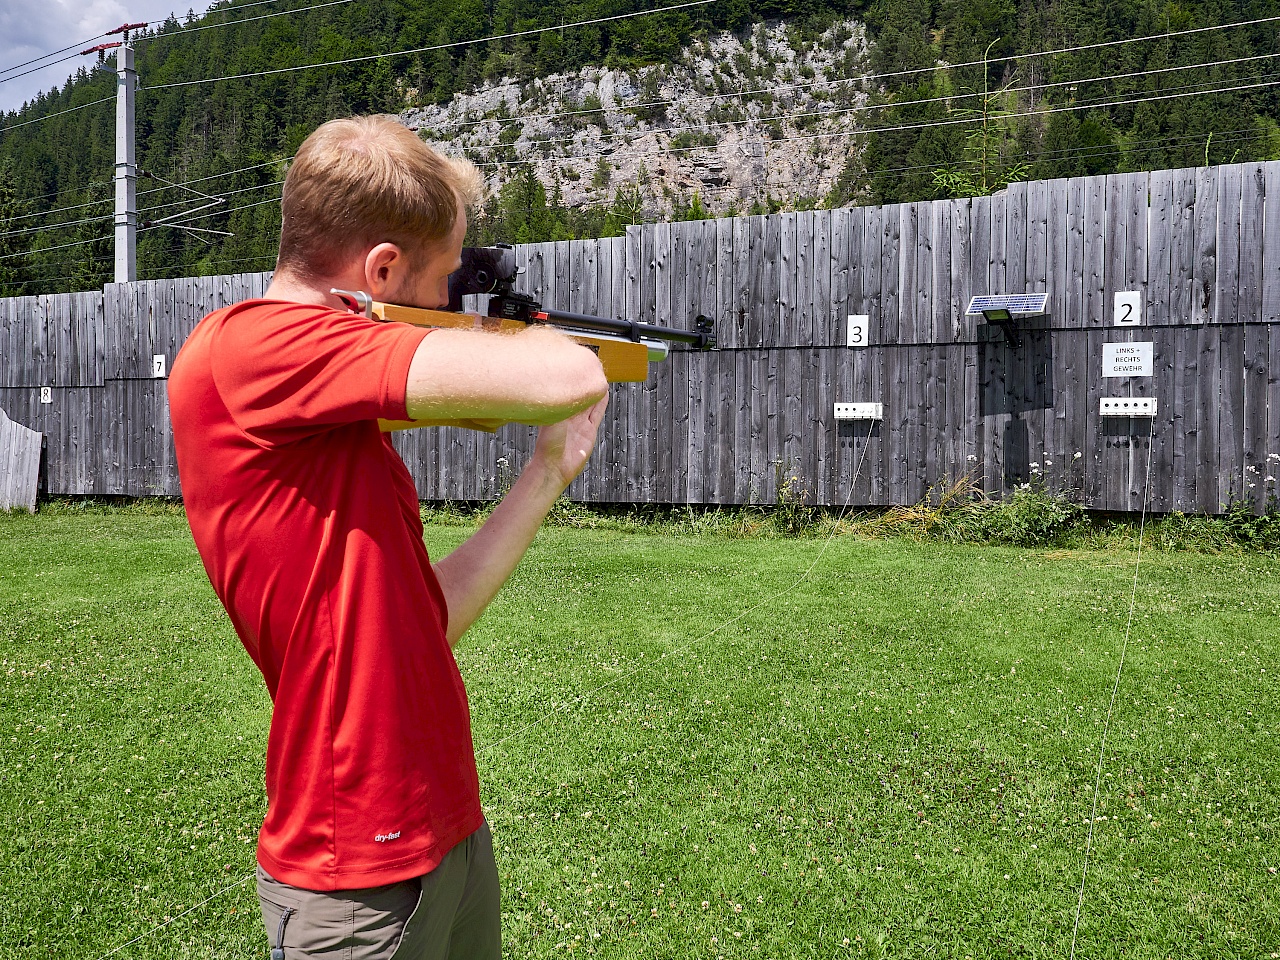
<point>295,290</point>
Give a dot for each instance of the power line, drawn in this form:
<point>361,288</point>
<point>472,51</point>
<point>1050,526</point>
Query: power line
<point>228,23</point>
<point>44,228</point>
<point>43,66</point>
<point>888,105</point>
<point>61,246</point>
<point>215,176</point>
<point>891,75</point>
<point>19,66</point>
<point>901,128</point>
<point>47,213</point>
<point>141,193</point>
<point>228,193</point>
<point>212,213</point>
<point>439,46</point>
<point>620,108</point>
<point>50,116</point>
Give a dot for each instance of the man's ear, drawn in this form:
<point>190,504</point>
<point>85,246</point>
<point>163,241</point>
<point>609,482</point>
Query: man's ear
<point>384,267</point>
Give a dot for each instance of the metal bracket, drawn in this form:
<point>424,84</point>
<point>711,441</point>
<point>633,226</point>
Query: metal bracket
<point>356,300</point>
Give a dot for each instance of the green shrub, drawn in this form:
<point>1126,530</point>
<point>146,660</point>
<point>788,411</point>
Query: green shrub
<point>1029,517</point>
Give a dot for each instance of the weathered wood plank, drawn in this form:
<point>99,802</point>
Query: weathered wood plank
<point>1016,238</point>
<point>1162,430</point>
<point>1233,478</point>
<point>1184,417</point>
<point>1096,310</point>
<point>1072,299</point>
<point>1156,297</point>
<point>907,254</point>
<point>770,282</point>
<point>1252,242</point>
<point>1209,493</point>
<point>1253,425</point>
<point>961,270</point>
<point>1193,256</point>
<point>1273,404</point>
<point>789,281</point>
<point>19,465</point>
<point>815,327</point>
<point>940,307</point>
<point>1227,224</point>
<point>1270,253</point>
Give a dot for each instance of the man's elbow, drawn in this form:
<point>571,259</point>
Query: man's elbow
<point>577,382</point>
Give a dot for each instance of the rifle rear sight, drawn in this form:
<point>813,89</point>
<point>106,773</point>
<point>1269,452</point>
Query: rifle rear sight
<point>492,271</point>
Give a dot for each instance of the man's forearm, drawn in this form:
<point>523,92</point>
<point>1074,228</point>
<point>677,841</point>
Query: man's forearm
<point>473,574</point>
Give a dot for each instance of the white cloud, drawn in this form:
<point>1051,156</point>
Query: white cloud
<point>32,28</point>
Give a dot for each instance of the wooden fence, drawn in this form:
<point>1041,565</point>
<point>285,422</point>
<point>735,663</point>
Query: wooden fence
<point>19,465</point>
<point>1201,246</point>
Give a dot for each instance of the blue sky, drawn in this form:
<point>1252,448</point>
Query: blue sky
<point>31,28</point>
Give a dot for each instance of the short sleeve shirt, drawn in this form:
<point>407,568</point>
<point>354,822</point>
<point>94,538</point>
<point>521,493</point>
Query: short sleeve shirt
<point>307,522</point>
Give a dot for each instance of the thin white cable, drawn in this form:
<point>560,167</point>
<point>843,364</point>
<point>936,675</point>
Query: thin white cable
<point>240,882</point>
<point>61,246</point>
<point>231,23</point>
<point>1149,98</point>
<point>692,643</point>
<point>437,46</point>
<point>623,107</point>
<point>219,196</point>
<point>216,176</point>
<point>1115,689</point>
<point>50,116</point>
<point>214,213</point>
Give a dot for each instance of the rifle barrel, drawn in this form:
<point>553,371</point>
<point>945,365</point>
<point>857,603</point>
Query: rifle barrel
<point>632,330</point>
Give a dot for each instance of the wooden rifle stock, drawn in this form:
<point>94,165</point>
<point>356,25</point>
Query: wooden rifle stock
<point>624,361</point>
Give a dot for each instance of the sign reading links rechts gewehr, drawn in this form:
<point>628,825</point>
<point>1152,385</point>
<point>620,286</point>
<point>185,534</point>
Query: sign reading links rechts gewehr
<point>1128,359</point>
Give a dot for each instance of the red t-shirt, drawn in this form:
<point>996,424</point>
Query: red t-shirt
<point>307,522</point>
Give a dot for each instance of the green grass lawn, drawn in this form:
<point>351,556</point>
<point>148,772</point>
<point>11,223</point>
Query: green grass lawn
<point>894,758</point>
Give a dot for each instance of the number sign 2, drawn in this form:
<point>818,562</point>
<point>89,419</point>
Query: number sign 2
<point>1128,309</point>
<point>859,330</point>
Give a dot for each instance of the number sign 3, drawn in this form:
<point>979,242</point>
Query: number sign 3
<point>859,330</point>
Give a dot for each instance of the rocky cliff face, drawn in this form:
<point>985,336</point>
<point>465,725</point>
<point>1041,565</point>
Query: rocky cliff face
<point>736,119</point>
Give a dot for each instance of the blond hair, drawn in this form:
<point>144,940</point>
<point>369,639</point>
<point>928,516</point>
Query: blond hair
<point>361,181</point>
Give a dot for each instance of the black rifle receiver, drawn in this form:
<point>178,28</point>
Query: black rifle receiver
<point>492,271</point>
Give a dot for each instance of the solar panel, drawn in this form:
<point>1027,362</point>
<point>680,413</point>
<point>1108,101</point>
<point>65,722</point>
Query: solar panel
<point>1013,302</point>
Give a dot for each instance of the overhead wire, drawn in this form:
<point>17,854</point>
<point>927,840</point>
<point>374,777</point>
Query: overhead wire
<point>223,195</point>
<point>184,30</point>
<point>215,176</point>
<point>703,126</point>
<point>44,228</point>
<point>832,81</point>
<point>213,213</point>
<point>61,246</point>
<point>53,53</point>
<point>533,31</point>
<point>50,116</point>
<point>45,66</point>
<point>900,128</point>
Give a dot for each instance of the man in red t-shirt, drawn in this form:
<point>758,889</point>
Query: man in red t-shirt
<point>307,522</point>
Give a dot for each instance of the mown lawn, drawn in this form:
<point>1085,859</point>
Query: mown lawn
<point>895,757</point>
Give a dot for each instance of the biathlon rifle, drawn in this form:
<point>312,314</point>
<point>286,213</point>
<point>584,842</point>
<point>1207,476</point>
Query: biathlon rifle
<point>625,348</point>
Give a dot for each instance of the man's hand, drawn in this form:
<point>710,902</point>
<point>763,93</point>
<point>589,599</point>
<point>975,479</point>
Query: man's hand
<point>472,575</point>
<point>564,448</point>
